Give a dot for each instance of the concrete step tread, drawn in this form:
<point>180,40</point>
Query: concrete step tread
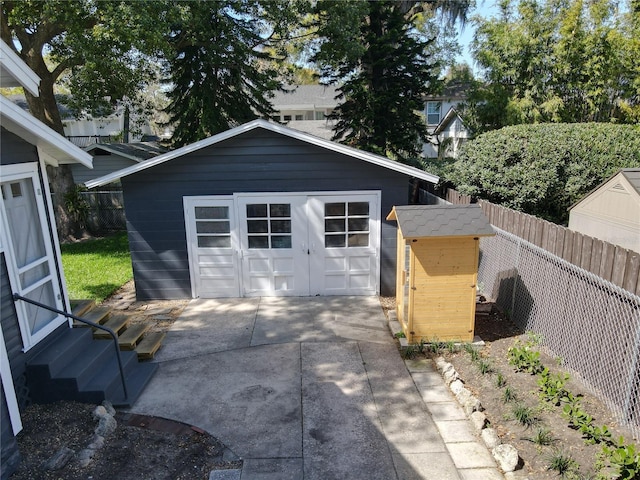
<point>149,345</point>
<point>117,323</point>
<point>130,337</point>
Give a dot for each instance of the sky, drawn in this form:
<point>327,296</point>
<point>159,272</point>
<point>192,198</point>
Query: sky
<point>484,8</point>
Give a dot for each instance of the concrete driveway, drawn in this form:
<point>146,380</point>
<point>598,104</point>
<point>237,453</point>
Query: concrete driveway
<point>307,388</point>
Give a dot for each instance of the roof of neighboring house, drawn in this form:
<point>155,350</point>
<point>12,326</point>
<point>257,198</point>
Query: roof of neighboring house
<point>136,151</point>
<point>319,128</point>
<point>632,175</point>
<point>452,91</point>
<point>419,221</point>
<point>273,127</point>
<point>304,97</point>
<point>449,117</point>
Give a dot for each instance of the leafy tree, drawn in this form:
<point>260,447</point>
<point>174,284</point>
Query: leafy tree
<point>97,48</point>
<point>219,72</point>
<point>543,169</point>
<point>384,66</point>
<point>556,61</point>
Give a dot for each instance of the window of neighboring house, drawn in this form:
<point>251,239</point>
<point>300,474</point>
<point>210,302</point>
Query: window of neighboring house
<point>287,118</point>
<point>299,117</point>
<point>319,115</point>
<point>433,113</point>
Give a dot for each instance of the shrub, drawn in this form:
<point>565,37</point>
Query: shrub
<point>543,169</point>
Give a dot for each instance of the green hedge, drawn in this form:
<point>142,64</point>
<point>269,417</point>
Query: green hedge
<point>543,169</point>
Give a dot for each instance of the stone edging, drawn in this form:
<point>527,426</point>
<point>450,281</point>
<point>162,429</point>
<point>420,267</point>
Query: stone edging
<point>506,455</point>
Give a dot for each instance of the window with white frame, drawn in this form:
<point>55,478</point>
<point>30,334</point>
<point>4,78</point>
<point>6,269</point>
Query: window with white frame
<point>433,112</point>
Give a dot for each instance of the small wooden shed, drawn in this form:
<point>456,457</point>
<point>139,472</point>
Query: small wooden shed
<point>437,270</point>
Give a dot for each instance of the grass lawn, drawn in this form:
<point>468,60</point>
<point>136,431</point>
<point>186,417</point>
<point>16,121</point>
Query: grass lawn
<point>94,269</point>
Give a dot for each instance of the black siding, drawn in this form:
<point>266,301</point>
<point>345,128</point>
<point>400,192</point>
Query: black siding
<point>10,457</point>
<point>258,161</point>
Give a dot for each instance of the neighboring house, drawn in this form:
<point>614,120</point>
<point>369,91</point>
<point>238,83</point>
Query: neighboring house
<point>445,126</point>
<point>30,266</point>
<point>611,212</point>
<point>263,209</point>
<point>306,107</point>
<point>110,157</point>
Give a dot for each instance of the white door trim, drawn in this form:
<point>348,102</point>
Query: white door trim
<point>29,171</point>
<point>9,390</point>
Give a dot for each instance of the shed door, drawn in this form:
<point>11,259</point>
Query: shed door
<point>274,245</point>
<point>344,243</point>
<point>212,246</point>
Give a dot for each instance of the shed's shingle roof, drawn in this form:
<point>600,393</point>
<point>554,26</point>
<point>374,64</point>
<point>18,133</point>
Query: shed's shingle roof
<point>633,177</point>
<point>417,221</point>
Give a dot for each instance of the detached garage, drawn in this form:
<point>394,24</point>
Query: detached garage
<point>263,209</point>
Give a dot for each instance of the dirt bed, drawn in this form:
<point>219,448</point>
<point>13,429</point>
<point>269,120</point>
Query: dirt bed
<point>499,335</point>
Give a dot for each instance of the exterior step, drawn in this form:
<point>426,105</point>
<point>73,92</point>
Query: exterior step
<point>95,315</point>
<point>149,345</point>
<point>116,323</point>
<point>80,307</point>
<point>130,337</point>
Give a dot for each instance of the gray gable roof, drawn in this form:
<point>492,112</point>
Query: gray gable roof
<point>136,151</point>
<point>418,221</point>
<point>279,129</point>
<point>305,96</point>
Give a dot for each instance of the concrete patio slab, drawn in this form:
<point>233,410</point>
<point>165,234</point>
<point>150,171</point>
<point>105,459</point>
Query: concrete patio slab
<point>311,388</point>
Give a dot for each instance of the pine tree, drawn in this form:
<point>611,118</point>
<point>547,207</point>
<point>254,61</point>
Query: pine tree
<point>384,69</point>
<point>219,76</point>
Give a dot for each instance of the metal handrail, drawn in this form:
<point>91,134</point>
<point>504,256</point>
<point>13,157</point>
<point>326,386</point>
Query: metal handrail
<point>113,334</point>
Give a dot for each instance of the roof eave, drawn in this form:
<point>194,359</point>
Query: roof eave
<point>13,66</point>
<point>53,147</point>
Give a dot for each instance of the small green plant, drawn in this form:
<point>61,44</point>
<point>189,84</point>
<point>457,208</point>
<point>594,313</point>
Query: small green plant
<point>624,459</point>
<point>593,434</point>
<point>500,380</point>
<point>524,415</point>
<point>542,437</point>
<point>409,352</point>
<point>76,204</point>
<point>485,367</point>
<point>562,463</point>
<point>451,346</point>
<point>524,358</point>
<point>552,386</point>
<point>509,395</point>
<point>435,346</point>
<point>472,351</point>
<point>534,338</point>
<point>400,335</point>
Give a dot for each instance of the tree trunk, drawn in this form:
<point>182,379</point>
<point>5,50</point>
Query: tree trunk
<point>45,109</point>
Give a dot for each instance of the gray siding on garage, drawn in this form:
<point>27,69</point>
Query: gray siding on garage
<point>10,456</point>
<point>258,161</point>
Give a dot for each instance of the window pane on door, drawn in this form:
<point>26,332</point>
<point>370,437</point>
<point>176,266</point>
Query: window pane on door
<point>334,209</point>
<point>214,242</point>
<point>256,210</point>
<point>258,241</point>
<point>257,226</point>
<point>213,227</point>
<point>272,220</point>
<point>358,208</point>
<point>280,210</point>
<point>346,224</point>
<point>212,213</point>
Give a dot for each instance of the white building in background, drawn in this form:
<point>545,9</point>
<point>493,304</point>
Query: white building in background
<point>611,212</point>
<point>446,129</point>
<point>306,107</point>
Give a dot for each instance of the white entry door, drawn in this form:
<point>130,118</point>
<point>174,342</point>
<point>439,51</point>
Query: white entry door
<point>293,244</point>
<point>344,244</point>
<point>30,256</point>
<point>212,246</point>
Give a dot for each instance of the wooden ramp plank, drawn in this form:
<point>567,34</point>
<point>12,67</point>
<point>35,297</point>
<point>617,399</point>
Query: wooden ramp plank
<point>131,336</point>
<point>149,345</point>
<point>95,315</point>
<point>115,323</point>
<point>82,306</point>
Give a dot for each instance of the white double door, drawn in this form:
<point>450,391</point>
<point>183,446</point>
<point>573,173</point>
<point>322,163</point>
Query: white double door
<point>284,244</point>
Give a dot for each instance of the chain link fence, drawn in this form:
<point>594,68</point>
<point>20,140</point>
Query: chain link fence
<point>592,324</point>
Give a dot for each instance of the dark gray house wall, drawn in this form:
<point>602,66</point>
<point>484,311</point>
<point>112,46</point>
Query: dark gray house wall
<point>10,456</point>
<point>257,161</point>
<point>15,150</point>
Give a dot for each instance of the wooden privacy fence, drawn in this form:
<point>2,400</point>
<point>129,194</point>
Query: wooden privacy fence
<point>610,262</point>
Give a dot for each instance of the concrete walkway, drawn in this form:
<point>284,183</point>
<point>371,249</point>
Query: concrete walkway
<point>311,388</point>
